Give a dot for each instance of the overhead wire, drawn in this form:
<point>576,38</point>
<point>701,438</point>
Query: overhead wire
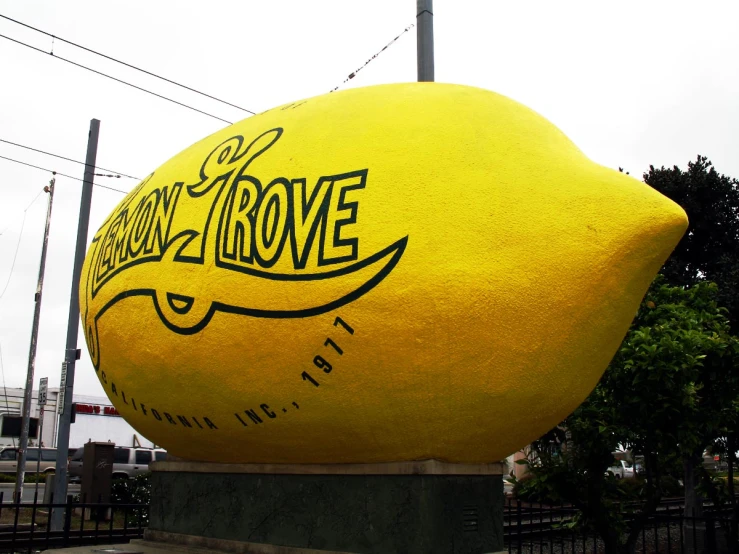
<point>116,79</point>
<point>354,73</point>
<point>65,175</point>
<point>17,247</point>
<point>86,49</point>
<point>117,173</point>
<point>29,205</point>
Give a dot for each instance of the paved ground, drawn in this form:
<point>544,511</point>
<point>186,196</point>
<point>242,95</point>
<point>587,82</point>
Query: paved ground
<point>147,547</point>
<point>136,547</point>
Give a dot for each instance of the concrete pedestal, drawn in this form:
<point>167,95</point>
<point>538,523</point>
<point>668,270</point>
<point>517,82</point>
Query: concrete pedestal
<point>407,508</point>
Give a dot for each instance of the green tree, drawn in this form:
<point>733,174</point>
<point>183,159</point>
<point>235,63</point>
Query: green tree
<point>570,464</point>
<point>709,250</point>
<point>669,391</point>
<point>675,380</point>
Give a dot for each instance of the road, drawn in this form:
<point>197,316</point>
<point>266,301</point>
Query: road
<point>29,490</point>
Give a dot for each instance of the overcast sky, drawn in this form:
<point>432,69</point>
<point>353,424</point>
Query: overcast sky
<point>632,83</point>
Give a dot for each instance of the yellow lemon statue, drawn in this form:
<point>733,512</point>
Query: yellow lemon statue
<point>392,273</point>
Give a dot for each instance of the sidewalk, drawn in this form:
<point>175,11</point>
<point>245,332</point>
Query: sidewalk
<point>151,547</point>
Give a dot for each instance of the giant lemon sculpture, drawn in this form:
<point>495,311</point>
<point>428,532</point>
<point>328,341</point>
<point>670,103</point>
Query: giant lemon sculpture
<point>391,273</point>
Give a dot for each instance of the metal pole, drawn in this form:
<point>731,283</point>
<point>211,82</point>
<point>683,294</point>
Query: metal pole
<point>425,40</point>
<point>43,390</point>
<point>40,443</point>
<point>26,419</point>
<point>73,323</point>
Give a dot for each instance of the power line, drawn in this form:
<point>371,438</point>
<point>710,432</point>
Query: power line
<point>117,173</point>
<point>64,174</point>
<point>15,256</point>
<point>115,79</point>
<point>125,64</point>
<point>354,73</point>
<point>29,205</point>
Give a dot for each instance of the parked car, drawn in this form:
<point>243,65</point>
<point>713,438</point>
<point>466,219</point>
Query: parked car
<point>127,462</point>
<point>9,460</point>
<point>621,469</point>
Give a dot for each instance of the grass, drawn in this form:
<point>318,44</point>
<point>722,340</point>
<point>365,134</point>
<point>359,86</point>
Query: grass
<point>725,474</point>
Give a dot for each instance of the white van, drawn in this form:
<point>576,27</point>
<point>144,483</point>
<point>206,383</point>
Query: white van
<point>127,461</point>
<point>9,460</point>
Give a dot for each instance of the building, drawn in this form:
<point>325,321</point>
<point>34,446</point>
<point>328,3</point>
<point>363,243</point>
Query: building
<point>95,419</point>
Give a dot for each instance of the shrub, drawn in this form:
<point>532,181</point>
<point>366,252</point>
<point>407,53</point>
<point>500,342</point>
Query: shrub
<point>528,489</point>
<point>133,491</point>
<point>631,486</point>
<point>671,486</point>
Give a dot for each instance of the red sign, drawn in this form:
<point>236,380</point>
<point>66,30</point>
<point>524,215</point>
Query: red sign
<point>95,410</point>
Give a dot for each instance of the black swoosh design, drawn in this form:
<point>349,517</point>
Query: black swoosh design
<point>187,315</point>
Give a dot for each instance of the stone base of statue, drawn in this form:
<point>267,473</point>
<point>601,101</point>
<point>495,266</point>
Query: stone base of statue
<point>425,507</point>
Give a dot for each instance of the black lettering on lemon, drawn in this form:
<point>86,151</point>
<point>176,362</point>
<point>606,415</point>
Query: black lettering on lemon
<point>300,229</point>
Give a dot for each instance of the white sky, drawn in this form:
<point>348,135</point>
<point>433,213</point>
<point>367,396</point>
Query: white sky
<point>632,83</point>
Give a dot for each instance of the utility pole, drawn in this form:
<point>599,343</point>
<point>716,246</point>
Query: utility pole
<point>27,396</point>
<point>66,388</point>
<point>425,40</point>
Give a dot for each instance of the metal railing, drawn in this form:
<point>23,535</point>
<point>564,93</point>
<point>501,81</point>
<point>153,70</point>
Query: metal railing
<point>26,527</point>
<point>533,528</point>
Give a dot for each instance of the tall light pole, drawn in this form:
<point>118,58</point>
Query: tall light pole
<point>66,388</point>
<point>27,396</point>
<point>425,39</point>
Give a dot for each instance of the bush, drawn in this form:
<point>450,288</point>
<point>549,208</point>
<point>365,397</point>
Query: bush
<point>528,489</point>
<point>671,486</point>
<point>717,489</point>
<point>29,478</point>
<point>631,486</point>
<point>520,489</point>
<point>133,491</point>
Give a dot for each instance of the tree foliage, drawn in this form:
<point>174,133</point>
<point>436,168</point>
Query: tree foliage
<point>709,250</point>
<point>675,371</point>
<point>670,389</point>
